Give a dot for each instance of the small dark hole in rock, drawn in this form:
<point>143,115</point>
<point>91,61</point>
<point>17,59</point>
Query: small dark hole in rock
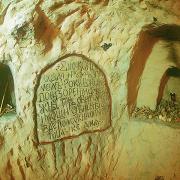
<point>106,46</point>
<point>154,19</point>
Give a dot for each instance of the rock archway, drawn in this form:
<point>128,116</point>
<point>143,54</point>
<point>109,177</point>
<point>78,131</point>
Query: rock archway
<point>154,53</point>
<point>169,85</point>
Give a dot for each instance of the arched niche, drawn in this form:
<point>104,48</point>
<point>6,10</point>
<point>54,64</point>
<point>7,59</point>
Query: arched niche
<point>170,86</point>
<point>154,52</point>
<point>7,95</point>
<point>157,63</point>
<point>72,97</point>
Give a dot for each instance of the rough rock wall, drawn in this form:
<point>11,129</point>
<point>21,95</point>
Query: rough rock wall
<point>35,34</point>
<point>171,6</point>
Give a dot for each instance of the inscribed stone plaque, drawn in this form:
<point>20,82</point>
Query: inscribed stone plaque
<point>72,98</point>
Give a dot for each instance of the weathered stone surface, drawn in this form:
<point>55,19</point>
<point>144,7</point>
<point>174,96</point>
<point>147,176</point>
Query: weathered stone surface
<point>72,98</point>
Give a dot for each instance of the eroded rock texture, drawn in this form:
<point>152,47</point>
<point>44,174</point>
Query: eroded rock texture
<point>114,36</point>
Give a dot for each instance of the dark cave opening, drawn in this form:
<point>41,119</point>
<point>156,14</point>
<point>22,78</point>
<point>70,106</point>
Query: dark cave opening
<point>7,95</point>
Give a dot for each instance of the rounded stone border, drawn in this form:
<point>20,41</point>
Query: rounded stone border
<point>38,78</point>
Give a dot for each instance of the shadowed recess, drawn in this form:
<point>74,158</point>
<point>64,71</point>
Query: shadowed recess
<point>6,89</point>
<point>171,34</point>
<point>168,32</point>
<point>173,71</point>
<point>170,72</point>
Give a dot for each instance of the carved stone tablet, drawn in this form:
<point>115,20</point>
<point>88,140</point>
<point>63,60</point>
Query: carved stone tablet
<point>72,98</point>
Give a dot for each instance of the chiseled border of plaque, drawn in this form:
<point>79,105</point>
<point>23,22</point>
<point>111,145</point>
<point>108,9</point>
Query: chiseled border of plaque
<point>38,79</point>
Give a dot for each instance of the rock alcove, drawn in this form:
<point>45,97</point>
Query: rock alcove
<point>155,72</point>
<point>7,97</point>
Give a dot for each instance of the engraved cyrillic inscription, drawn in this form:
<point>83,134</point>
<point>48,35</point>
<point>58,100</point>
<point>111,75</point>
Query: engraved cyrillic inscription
<point>72,98</point>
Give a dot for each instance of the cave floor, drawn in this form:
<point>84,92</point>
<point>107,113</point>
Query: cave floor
<point>150,150</point>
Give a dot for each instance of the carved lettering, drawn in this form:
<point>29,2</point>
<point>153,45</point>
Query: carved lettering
<point>72,98</point>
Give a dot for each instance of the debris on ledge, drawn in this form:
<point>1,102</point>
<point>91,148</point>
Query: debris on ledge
<point>166,111</point>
